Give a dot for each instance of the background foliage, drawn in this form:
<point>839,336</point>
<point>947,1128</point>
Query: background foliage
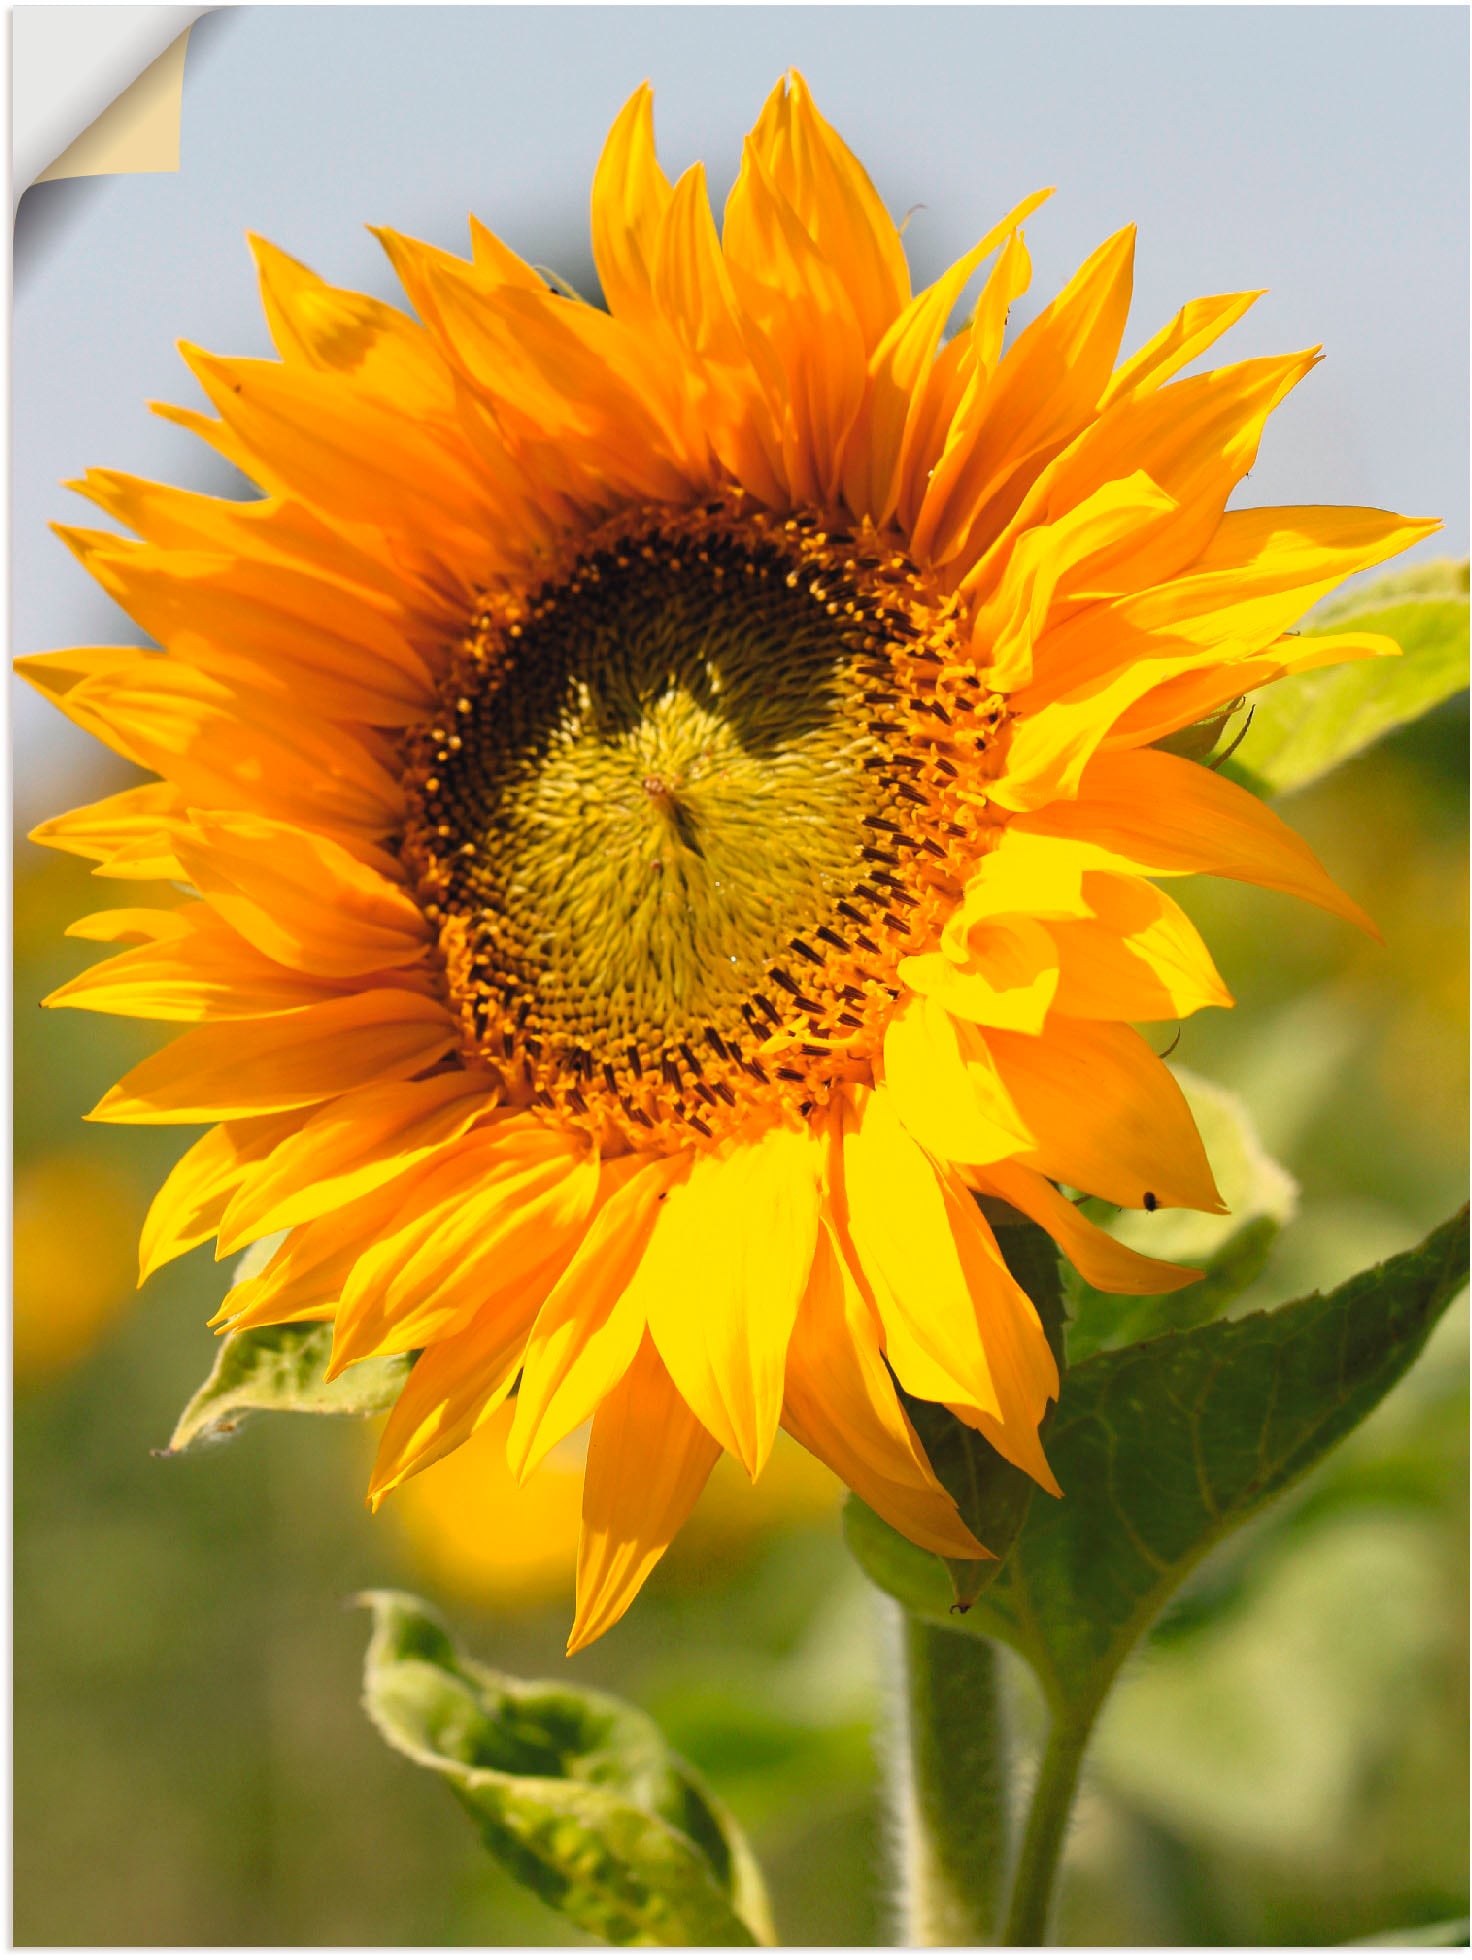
<point>1285,1762</point>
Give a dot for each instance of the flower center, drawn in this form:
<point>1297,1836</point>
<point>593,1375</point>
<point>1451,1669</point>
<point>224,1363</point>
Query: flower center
<point>684,808</point>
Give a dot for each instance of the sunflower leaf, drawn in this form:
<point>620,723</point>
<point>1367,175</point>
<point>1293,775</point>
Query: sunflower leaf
<point>1309,723</point>
<point>1166,1447</point>
<point>282,1368</point>
<point>1260,1197</point>
<point>576,1793</point>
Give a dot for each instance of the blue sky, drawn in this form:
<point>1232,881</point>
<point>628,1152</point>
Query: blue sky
<point>1320,152</point>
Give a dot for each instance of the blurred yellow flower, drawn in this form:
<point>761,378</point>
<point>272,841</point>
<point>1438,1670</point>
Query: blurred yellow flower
<point>74,1221</point>
<point>480,1534</point>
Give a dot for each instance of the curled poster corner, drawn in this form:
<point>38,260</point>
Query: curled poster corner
<point>139,132</point>
<point>96,89</point>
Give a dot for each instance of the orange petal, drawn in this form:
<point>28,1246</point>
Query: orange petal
<point>352,1146</point>
<point>101,830</point>
<point>1157,814</point>
<point>1138,959</point>
<point>192,1199</point>
<point>1102,1260</point>
<point>222,747</point>
<point>299,897</point>
<point>201,972</point>
<point>453,1389</point>
<point>648,1460</point>
<point>1107,1113</point>
<point>841,1405</point>
<point>630,196</point>
<point>487,1229</point>
<point>303,1056</point>
<point>591,1323</point>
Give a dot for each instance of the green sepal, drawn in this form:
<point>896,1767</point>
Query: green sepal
<point>1163,1449</point>
<point>282,1368</point>
<point>1308,724</point>
<point>576,1793</point>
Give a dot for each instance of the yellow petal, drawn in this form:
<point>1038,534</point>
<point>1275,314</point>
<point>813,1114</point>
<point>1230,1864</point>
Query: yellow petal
<point>1032,877</point>
<point>1044,391</point>
<point>139,925</point>
<point>350,1147</point>
<point>1102,1260</point>
<point>841,1405</point>
<point>1157,814</point>
<point>223,748</point>
<point>947,1102</point>
<point>100,830</point>
<point>1107,1113</point>
<point>304,1277</point>
<point>1198,325</point>
<point>1138,959</point>
<point>192,1199</point>
<point>454,1388</point>
<point>1050,564</point>
<point>1196,439</point>
<point>720,1297</point>
<point>300,898</point>
<point>1194,696</point>
<point>202,972</point>
<point>303,1056</point>
<point>958,1329</point>
<point>648,1460</point>
<point>1009,979</point>
<point>488,1228</point>
<point>591,1323</point>
<point>322,326</point>
<point>630,196</point>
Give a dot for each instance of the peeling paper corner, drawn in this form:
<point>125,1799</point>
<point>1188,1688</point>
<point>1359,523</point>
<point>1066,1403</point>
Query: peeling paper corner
<point>96,90</point>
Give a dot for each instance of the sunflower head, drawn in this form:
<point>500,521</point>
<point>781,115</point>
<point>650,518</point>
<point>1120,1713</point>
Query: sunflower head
<point>665,811</point>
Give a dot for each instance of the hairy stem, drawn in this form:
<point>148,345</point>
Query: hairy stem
<point>1035,1880</point>
<point>949,1784</point>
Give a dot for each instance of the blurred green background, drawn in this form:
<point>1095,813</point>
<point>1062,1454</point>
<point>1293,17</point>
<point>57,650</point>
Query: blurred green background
<point>1285,1763</point>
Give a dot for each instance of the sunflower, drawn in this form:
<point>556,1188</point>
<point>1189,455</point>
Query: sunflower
<point>667,801</point>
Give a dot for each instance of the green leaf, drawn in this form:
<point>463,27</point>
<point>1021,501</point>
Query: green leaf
<point>1261,1198</point>
<point>576,1793</point>
<point>1309,723</point>
<point>283,1368</point>
<point>1163,1449</point>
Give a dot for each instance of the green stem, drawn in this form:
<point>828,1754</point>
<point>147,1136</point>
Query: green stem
<point>950,1777</point>
<point>1036,1876</point>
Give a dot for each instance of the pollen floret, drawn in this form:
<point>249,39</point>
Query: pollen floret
<point>684,807</point>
